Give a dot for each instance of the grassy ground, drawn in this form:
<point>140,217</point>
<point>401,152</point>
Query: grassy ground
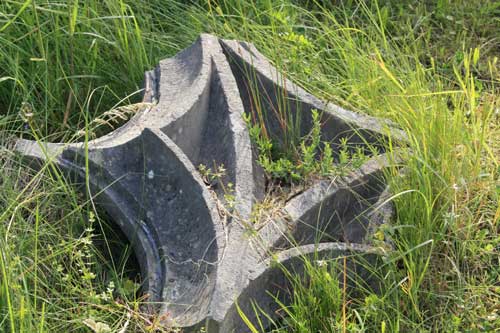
<point>431,67</point>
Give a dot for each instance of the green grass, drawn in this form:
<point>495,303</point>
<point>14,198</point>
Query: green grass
<point>432,68</point>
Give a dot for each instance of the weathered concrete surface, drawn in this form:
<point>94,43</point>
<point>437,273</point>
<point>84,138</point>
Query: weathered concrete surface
<point>197,262</point>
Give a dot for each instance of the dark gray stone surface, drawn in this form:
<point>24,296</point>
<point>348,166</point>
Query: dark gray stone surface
<point>197,261</point>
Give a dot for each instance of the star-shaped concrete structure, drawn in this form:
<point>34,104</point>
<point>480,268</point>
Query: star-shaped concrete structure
<point>197,261</point>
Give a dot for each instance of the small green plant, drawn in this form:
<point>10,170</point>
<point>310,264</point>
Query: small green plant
<point>314,158</point>
<point>209,176</point>
<point>349,159</point>
<point>214,178</point>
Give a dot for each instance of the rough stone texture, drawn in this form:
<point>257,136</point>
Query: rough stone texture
<point>197,263</point>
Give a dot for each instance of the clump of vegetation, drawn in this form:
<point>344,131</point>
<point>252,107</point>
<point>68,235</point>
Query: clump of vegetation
<point>317,304</point>
<point>55,268</point>
<point>214,179</point>
<point>312,157</point>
